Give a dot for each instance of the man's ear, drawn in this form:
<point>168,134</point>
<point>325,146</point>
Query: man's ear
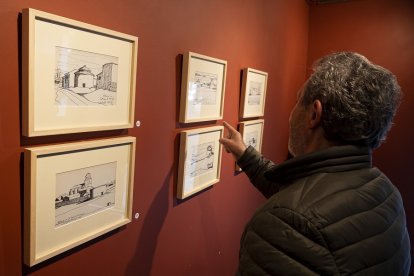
<point>316,114</point>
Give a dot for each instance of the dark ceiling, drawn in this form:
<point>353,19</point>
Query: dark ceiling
<point>316,2</point>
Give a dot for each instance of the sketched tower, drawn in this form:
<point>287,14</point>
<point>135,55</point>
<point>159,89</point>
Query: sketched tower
<point>107,79</point>
<point>88,180</point>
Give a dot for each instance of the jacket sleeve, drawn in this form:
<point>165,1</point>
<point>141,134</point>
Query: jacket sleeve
<point>255,165</point>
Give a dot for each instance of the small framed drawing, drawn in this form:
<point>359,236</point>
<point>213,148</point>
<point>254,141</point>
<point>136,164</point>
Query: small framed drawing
<point>75,192</point>
<point>199,161</point>
<point>252,133</point>
<point>202,88</point>
<point>76,77</point>
<point>253,94</point>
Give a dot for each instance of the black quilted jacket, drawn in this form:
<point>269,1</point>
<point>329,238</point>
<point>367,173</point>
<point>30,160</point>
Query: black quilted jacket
<point>327,213</point>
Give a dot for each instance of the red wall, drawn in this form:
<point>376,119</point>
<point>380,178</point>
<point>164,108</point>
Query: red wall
<point>198,236</point>
<point>383,31</point>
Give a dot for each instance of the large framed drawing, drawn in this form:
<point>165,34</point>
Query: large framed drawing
<point>253,94</point>
<point>76,77</point>
<point>202,88</point>
<point>199,161</point>
<point>252,133</point>
<point>75,192</point>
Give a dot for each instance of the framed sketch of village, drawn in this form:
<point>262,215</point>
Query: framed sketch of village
<point>252,133</point>
<point>75,192</point>
<point>202,88</point>
<point>199,160</point>
<point>253,93</point>
<point>77,77</point>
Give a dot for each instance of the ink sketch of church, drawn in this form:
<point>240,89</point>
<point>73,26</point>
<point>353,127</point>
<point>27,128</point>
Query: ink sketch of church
<point>83,192</point>
<point>85,78</point>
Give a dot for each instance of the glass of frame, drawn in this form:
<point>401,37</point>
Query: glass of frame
<point>76,77</point>
<point>202,88</point>
<point>253,95</point>
<point>199,161</point>
<point>75,192</point>
<point>252,133</point>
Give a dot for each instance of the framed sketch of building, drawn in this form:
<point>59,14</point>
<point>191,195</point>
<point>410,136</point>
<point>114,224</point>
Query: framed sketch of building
<point>252,133</point>
<point>199,160</point>
<point>202,88</point>
<point>253,93</point>
<point>77,77</point>
<point>75,192</point>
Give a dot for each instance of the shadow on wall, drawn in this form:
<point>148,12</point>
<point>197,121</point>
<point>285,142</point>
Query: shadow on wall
<point>141,261</point>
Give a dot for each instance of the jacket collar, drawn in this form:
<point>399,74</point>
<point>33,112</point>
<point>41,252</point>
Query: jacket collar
<point>333,159</point>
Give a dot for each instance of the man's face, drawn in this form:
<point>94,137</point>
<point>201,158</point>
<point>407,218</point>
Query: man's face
<point>297,128</point>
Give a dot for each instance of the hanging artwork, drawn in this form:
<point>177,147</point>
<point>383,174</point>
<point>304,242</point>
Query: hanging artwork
<point>202,88</point>
<point>75,192</point>
<point>253,93</point>
<point>252,133</point>
<point>76,77</point>
<point>200,158</point>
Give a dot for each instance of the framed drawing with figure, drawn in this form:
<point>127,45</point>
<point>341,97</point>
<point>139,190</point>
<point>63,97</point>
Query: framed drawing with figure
<point>75,192</point>
<point>199,160</point>
<point>253,93</point>
<point>77,77</point>
<point>252,133</point>
<point>202,88</point>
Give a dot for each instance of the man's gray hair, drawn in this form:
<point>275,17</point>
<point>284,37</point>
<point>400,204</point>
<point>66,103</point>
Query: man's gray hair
<point>359,98</point>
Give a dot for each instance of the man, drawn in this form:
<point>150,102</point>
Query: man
<point>329,212</point>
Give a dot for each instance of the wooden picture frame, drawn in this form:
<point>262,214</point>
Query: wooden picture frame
<point>77,77</point>
<point>253,93</point>
<point>252,133</point>
<point>199,161</point>
<point>74,193</point>
<point>202,88</point>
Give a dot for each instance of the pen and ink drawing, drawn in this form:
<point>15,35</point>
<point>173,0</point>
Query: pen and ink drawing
<point>83,192</point>
<point>255,93</point>
<point>251,139</point>
<point>203,90</point>
<point>85,78</point>
<point>201,159</point>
